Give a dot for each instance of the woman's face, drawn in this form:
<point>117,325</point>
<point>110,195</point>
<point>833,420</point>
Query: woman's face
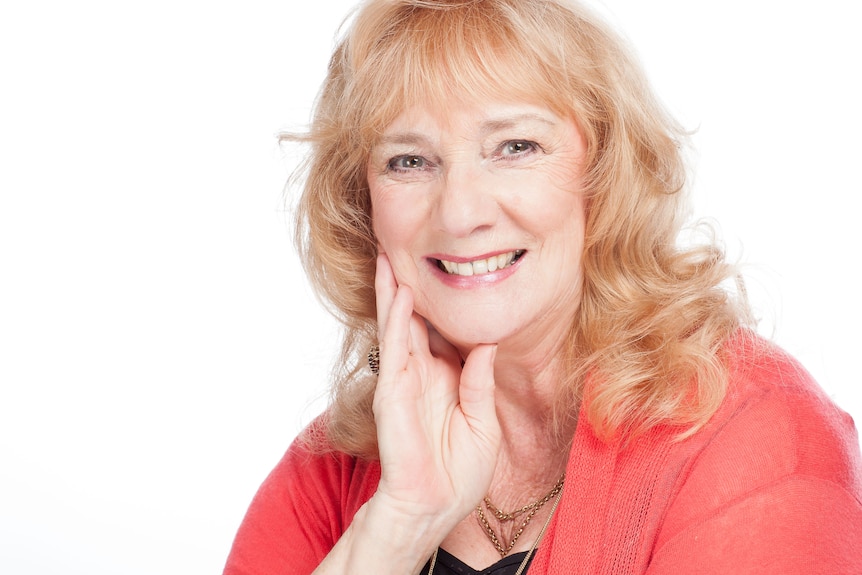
<point>480,210</point>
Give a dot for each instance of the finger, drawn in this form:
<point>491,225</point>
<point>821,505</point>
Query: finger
<point>385,287</point>
<point>418,344</point>
<point>395,344</point>
<point>477,390</point>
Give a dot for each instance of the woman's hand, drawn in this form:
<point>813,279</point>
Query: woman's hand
<point>438,437</point>
<point>437,425</point>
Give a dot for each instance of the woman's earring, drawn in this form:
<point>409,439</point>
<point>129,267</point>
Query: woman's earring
<point>374,359</point>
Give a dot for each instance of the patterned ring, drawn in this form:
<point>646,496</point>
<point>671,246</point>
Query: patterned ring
<point>374,359</point>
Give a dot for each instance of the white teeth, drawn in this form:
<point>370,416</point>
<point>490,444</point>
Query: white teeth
<point>477,267</point>
<point>504,260</point>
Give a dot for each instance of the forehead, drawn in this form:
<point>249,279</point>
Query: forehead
<point>475,118</point>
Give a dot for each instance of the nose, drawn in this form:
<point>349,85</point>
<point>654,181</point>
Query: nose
<point>466,202</point>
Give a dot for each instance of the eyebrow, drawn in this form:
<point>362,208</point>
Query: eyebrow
<point>495,125</point>
<point>404,138</point>
<point>487,127</point>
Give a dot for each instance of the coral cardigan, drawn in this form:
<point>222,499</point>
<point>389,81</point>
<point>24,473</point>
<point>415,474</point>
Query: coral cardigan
<point>772,484</point>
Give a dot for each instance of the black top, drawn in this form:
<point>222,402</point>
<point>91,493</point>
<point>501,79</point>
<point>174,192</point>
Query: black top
<point>448,564</point>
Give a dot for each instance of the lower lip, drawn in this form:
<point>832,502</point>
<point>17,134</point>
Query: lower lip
<point>480,280</point>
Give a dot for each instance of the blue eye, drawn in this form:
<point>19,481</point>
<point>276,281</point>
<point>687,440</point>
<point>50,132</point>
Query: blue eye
<point>407,163</point>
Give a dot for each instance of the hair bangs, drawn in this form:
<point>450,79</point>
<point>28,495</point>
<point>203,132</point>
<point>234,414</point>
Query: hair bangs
<point>444,54</point>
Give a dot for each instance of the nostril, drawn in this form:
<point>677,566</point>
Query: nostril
<point>460,213</point>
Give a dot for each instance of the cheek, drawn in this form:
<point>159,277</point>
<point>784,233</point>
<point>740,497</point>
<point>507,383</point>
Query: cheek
<point>384,224</point>
<point>568,205</point>
<point>562,211</point>
<point>551,195</point>
<point>399,212</point>
<point>553,207</point>
<point>397,226</point>
<point>393,227</point>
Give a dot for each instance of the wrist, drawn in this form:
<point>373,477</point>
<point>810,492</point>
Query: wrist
<point>398,534</point>
<point>408,521</point>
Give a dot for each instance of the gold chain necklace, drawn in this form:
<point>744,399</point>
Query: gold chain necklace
<point>503,517</point>
<point>558,491</point>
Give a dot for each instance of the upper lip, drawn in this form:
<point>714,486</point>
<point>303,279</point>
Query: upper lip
<point>465,260</point>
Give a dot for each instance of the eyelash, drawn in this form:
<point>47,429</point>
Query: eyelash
<point>529,148</point>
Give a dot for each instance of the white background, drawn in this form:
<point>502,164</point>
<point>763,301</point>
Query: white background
<point>159,347</point>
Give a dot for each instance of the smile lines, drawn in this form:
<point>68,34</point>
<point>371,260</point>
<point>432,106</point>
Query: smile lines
<point>477,267</point>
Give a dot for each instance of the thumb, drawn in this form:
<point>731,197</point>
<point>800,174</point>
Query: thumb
<point>477,389</point>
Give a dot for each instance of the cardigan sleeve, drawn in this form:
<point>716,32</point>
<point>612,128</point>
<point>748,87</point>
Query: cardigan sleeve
<point>300,512</point>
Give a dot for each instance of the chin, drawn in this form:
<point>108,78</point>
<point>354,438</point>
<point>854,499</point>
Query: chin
<point>468,336</point>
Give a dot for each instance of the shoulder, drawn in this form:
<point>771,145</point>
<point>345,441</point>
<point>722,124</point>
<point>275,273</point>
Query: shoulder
<point>302,508</point>
<point>321,480</point>
<point>775,408</point>
<point>775,475</point>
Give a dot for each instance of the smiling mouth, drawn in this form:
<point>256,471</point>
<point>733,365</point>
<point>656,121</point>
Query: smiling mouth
<point>477,267</point>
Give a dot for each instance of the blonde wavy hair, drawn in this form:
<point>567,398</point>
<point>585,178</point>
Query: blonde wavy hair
<point>645,347</point>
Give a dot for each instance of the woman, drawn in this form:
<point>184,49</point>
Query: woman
<point>494,198</point>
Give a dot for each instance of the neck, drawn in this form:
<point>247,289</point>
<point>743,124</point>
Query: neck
<point>527,387</point>
<point>532,454</point>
